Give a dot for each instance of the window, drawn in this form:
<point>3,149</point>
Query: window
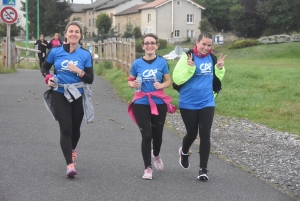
<point>134,24</point>
<point>177,34</point>
<point>148,30</point>
<point>93,21</point>
<point>178,3</point>
<point>149,18</point>
<point>118,27</point>
<point>190,18</point>
<point>89,22</point>
<point>190,33</point>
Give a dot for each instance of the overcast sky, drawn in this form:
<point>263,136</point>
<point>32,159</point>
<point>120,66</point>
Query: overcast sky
<point>82,1</point>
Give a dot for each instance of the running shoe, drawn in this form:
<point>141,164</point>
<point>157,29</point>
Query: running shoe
<point>74,156</point>
<point>184,159</point>
<point>148,173</point>
<point>158,163</point>
<point>203,174</point>
<point>71,172</point>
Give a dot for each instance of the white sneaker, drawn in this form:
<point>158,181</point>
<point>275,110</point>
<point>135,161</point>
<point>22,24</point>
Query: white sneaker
<point>158,163</point>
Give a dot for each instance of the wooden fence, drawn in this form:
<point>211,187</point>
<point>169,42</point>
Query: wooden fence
<point>119,51</point>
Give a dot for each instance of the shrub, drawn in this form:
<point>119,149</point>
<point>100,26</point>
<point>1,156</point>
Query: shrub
<point>244,43</point>
<point>139,54</point>
<point>138,46</point>
<point>162,44</point>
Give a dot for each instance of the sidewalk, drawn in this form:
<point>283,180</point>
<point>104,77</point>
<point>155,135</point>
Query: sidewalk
<point>109,165</point>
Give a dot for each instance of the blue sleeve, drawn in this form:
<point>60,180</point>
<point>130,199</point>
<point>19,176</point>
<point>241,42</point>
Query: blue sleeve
<point>50,56</point>
<point>133,70</point>
<point>89,62</point>
<point>166,69</point>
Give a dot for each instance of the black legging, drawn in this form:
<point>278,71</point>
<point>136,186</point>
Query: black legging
<point>198,119</point>
<point>41,59</point>
<point>151,127</point>
<point>69,116</point>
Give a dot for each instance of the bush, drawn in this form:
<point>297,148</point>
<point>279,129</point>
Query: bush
<point>138,46</point>
<point>244,43</point>
<point>139,54</point>
<point>162,44</point>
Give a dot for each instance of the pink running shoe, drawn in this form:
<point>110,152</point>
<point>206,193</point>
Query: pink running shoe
<point>71,172</point>
<point>148,173</point>
<point>158,163</point>
<point>74,156</point>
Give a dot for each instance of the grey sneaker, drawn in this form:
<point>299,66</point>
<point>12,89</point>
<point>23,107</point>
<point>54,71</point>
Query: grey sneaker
<point>158,163</point>
<point>184,159</point>
<point>203,174</point>
<point>148,173</point>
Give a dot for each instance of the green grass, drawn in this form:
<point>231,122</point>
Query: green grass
<point>262,84</point>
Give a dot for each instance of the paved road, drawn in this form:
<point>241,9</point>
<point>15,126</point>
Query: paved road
<point>110,166</point>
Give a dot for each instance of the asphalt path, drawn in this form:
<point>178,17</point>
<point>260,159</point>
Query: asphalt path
<point>109,165</point>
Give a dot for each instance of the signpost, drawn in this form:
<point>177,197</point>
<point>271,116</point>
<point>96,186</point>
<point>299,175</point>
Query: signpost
<point>9,16</point>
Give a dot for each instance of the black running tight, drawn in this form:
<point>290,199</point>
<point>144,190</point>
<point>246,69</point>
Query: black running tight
<point>69,116</point>
<point>151,127</point>
<point>198,119</point>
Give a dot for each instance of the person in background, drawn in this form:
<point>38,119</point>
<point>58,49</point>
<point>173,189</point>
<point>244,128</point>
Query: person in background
<point>42,45</point>
<point>55,42</point>
<point>150,105</point>
<point>69,98</point>
<point>198,71</point>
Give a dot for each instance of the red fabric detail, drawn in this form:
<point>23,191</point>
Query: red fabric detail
<point>200,55</point>
<point>48,77</point>
<point>158,93</point>
<point>130,79</point>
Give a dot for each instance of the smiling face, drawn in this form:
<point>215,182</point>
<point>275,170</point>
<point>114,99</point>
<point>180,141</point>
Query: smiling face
<point>204,45</point>
<point>150,45</point>
<point>73,34</point>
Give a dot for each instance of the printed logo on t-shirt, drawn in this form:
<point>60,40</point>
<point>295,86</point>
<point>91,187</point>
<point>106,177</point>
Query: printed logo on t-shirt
<point>149,73</point>
<point>205,68</point>
<point>64,64</point>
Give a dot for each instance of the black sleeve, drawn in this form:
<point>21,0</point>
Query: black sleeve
<point>88,75</point>
<point>45,69</point>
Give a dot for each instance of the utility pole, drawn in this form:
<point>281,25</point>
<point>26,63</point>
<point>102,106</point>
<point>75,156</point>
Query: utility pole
<point>37,19</point>
<point>26,10</point>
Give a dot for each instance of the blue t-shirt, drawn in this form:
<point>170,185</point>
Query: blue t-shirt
<point>60,59</point>
<point>197,93</point>
<point>156,70</point>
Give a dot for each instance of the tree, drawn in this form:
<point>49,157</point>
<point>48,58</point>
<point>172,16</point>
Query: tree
<point>244,19</point>
<point>281,16</point>
<point>14,30</point>
<point>128,32</point>
<point>137,32</point>
<point>103,23</point>
<point>216,13</point>
<point>54,15</point>
<point>205,26</point>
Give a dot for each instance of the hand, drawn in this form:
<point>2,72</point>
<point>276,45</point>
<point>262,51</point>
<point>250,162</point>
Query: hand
<point>73,68</point>
<point>220,62</point>
<point>51,82</point>
<point>135,84</point>
<point>157,85</point>
<point>190,61</point>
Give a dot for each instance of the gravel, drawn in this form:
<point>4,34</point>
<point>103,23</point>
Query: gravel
<point>270,155</point>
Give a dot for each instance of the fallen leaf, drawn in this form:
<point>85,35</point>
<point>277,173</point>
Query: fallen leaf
<point>122,128</point>
<point>96,103</point>
<point>111,119</point>
<point>19,100</point>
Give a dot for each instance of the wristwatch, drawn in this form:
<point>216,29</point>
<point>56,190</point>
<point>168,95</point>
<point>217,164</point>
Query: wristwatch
<point>80,74</point>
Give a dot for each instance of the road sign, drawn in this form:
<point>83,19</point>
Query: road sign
<point>9,2</point>
<point>8,15</point>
